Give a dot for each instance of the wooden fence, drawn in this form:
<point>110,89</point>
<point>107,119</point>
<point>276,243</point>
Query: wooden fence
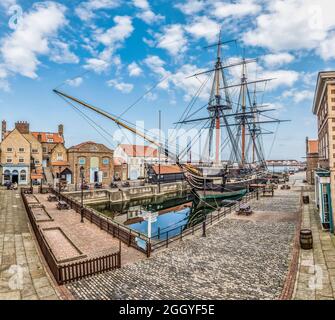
<point>64,273</point>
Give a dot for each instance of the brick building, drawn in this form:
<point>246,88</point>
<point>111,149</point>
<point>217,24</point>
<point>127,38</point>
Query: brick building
<point>24,153</point>
<point>96,159</point>
<point>312,159</point>
<point>324,109</point>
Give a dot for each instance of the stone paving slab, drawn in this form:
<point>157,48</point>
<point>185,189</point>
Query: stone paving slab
<point>20,265</point>
<point>316,273</point>
<point>239,259</point>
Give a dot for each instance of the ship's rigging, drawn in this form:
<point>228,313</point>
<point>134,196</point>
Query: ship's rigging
<point>234,126</point>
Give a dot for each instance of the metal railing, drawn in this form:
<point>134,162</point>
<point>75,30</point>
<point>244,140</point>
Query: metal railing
<point>209,220</point>
<point>128,236</point>
<point>64,273</point>
<point>140,241</point>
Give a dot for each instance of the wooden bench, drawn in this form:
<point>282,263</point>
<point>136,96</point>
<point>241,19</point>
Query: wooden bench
<point>52,198</point>
<point>244,209</point>
<point>62,205</point>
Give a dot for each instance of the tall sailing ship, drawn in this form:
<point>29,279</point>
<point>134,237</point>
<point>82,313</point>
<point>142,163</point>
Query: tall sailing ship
<point>233,126</point>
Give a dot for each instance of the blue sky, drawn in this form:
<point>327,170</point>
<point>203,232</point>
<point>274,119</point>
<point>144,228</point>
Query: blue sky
<point>109,52</point>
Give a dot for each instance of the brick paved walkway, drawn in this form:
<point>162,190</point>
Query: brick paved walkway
<point>316,276</point>
<point>85,237</point>
<point>22,275</point>
<point>239,259</point>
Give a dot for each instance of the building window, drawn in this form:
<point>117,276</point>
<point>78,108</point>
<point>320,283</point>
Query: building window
<point>37,162</point>
<point>21,149</point>
<point>59,156</point>
<point>105,161</point>
<point>105,174</point>
<point>21,160</point>
<point>7,175</point>
<point>9,149</point>
<point>82,161</point>
<point>45,149</point>
<point>9,160</point>
<point>50,140</point>
<point>23,175</point>
<point>333,91</point>
<point>34,151</point>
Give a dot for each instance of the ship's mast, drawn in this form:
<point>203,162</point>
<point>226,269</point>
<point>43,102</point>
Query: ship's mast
<point>244,89</point>
<point>218,102</point>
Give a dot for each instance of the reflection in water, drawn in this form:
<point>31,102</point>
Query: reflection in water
<point>176,212</point>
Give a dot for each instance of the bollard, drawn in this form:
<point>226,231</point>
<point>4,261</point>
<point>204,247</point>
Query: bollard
<point>204,229</point>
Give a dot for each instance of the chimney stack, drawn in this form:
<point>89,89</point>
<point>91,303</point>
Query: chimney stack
<point>61,130</point>
<point>3,129</point>
<point>22,127</point>
<point>39,137</point>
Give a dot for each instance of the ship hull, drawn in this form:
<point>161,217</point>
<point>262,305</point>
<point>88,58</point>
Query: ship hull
<point>209,195</point>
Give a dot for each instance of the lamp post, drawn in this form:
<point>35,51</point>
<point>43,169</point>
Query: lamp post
<point>82,169</point>
<point>76,177</point>
<point>59,189</point>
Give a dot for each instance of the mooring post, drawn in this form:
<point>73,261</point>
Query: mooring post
<point>204,229</point>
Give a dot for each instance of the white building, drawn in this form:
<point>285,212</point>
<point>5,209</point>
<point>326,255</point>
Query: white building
<point>136,156</point>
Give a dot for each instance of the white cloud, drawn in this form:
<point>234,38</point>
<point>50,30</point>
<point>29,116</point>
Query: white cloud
<point>123,29</point>
<point>172,39</point>
<point>190,86</point>
<point>236,9</point>
<point>326,49</point>
<point>282,78</point>
<point>85,10</point>
<point>60,53</point>
<point>156,64</point>
<point>178,80</point>
<point>134,70</point>
<point>20,50</point>
<point>191,7</point>
<point>76,82</point>
<point>7,3</point>
<point>293,25</point>
<point>96,65</point>
<point>203,27</point>
<point>4,84</point>
<point>120,86</point>
<point>112,39</point>
<point>277,60</point>
<point>299,95</point>
<point>146,14</point>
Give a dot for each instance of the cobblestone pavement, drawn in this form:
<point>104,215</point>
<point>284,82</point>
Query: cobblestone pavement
<point>239,259</point>
<point>316,275</point>
<point>22,275</point>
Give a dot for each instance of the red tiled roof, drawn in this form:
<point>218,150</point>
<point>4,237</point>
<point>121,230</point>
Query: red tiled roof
<point>171,169</point>
<point>139,151</point>
<point>45,136</point>
<point>313,146</point>
<point>59,163</point>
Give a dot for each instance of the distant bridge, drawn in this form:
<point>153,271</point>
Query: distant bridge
<point>285,163</point>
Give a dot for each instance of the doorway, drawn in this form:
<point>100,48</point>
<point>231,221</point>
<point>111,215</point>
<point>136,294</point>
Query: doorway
<point>15,177</point>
